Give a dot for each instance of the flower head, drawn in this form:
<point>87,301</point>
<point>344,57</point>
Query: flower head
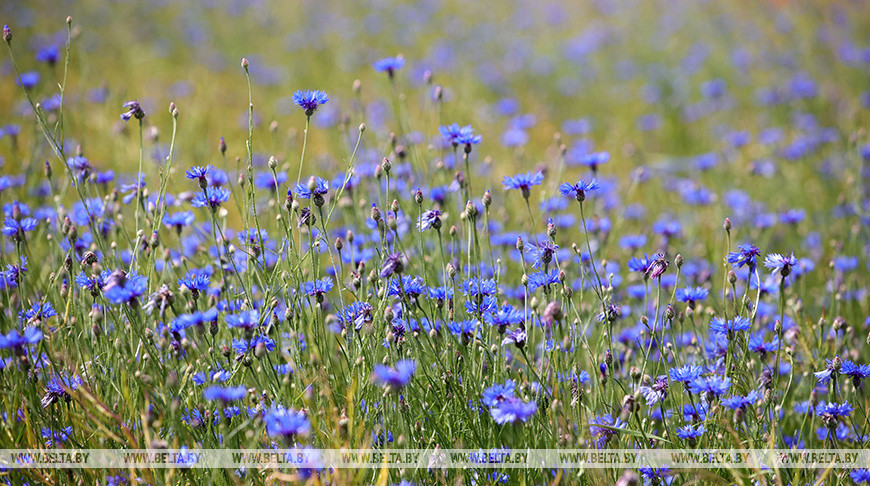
<point>309,100</point>
<point>389,65</point>
<point>288,423</point>
<point>396,377</point>
<point>212,198</point>
<point>780,263</point>
<point>579,189</point>
<point>133,111</point>
<point>524,182</point>
<point>228,394</point>
<point>745,256</point>
<point>429,219</point>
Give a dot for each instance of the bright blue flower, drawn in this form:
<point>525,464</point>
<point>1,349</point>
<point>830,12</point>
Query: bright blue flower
<point>728,326</point>
<point>579,189</point>
<point>692,294</point>
<point>213,198</point>
<point>198,172</point>
<point>686,374</point>
<point>429,219</point>
<point>633,242</point>
<point>523,182</point>
<point>497,393</point>
<point>396,377</point>
<point>691,432</point>
<point>179,220</point>
<point>860,476</point>
<point>195,280</point>
<point>228,394</point>
<point>245,320</point>
<point>459,136</point>
<point>541,279</point>
<point>37,312</point>
<point>512,410</point>
<point>834,409</point>
<point>321,187</point>
<point>124,289</point>
<point>475,286</point>
<point>16,340</point>
<point>542,253</point>
<point>389,65</point>
<point>857,371</point>
<point>745,256</point>
<point>737,401</point>
<point>318,287</point>
<point>356,314</point>
<point>309,100</point>
<point>602,429</point>
<point>15,229</point>
<point>780,263</point>
<point>288,423</point>
<point>713,385</point>
<point>639,264</point>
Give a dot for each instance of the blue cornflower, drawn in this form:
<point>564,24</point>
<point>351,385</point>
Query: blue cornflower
<point>287,423</point>
<point>321,187</point>
<point>457,135</point>
<point>857,371</point>
<point>393,263</point>
<point>603,430</point>
<point>657,392</point>
<point>196,281</point>
<point>860,476</point>
<point>267,180</point>
<point>15,229</point>
<point>595,159</point>
<point>317,288</point>
<point>711,385</point>
<point>691,432</point>
<point>737,401</point>
<point>524,182</point>
<point>463,329</point>
<point>639,264</point>
<point>517,337</point>
<point>200,173</point>
<point>542,253</point>
<point>245,320</point>
<point>389,65</point>
<point>690,295</point>
<point>834,409</point>
<point>441,293</point>
<point>780,263</point>
<point>475,286</point>
<point>121,288</point>
<point>228,394</point>
<point>729,326</point>
<point>696,413</point>
<point>396,377</point>
<point>512,410</point>
<point>632,242</point>
<point>745,256</point>
<point>12,275</point>
<point>845,264</point>
<point>541,279</point>
<point>179,220</point>
<point>94,283</point>
<point>309,100</point>
<point>686,374</point>
<point>504,317</point>
<point>37,312</point>
<point>429,219</point>
<point>56,389</point>
<point>356,314</point>
<point>757,344</point>
<point>497,393</point>
<point>409,286</point>
<point>832,368</point>
<point>578,190</point>
<point>16,340</point>
<point>242,346</point>
<point>213,197</point>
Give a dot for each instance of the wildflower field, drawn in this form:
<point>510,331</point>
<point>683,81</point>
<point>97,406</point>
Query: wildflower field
<point>390,225</point>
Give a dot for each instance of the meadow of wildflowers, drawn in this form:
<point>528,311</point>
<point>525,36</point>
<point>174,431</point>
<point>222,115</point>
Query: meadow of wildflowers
<point>435,224</point>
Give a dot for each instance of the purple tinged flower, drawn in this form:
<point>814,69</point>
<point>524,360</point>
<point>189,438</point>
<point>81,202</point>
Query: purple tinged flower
<point>593,160</point>
<point>396,377</point>
<point>228,394</point>
<point>657,267</point>
<point>321,187</point>
<point>393,263</point>
<point>429,219</point>
<point>457,135</point>
<point>746,256</point>
<point>123,288</point>
<point>133,111</point>
<point>578,190</point>
<point>517,337</point>
<point>603,429</point>
<point>542,253</point>
<point>356,314</point>
<point>309,100</point>
<point>780,263</point>
<point>657,392</point>
<point>179,220</point>
<point>287,423</point>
